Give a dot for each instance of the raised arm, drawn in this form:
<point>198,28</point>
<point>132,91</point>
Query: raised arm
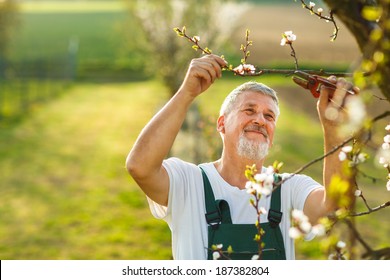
<point>144,162</point>
<point>330,105</point>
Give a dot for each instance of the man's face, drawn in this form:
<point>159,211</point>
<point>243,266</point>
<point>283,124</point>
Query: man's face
<point>249,127</point>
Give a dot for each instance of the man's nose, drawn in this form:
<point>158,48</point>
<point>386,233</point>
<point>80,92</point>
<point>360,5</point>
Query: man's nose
<point>259,119</point>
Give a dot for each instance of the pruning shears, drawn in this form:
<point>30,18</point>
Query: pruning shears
<point>313,82</point>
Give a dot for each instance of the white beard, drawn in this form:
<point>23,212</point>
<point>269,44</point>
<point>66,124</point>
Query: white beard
<point>252,149</point>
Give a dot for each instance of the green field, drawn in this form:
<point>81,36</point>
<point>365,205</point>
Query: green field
<point>64,187</point>
<point>96,31</point>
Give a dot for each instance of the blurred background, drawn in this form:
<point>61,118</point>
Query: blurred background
<point>80,79</point>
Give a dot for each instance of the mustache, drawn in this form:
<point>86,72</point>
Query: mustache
<point>254,127</point>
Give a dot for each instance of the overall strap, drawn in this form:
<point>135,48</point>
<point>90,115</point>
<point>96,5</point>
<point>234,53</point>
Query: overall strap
<point>274,213</point>
<point>213,214</point>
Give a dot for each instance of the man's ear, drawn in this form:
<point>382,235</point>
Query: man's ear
<point>221,124</point>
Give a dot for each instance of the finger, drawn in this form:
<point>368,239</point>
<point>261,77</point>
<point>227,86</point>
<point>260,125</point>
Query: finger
<point>356,89</point>
<point>216,63</point>
<point>217,68</point>
<point>204,74</point>
<point>211,67</point>
<point>222,62</point>
<point>342,89</point>
<point>326,93</point>
<point>332,79</point>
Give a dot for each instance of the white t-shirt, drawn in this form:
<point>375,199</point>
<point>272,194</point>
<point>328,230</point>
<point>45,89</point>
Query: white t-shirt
<point>185,214</point>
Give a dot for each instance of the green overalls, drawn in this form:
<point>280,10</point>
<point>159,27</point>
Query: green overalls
<point>240,237</point>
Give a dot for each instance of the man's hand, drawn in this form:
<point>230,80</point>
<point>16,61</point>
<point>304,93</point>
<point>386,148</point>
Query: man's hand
<point>331,104</point>
<point>201,73</point>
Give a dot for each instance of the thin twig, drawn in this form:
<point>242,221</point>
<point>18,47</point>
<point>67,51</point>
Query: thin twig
<point>335,149</point>
<point>363,197</point>
<point>288,72</point>
<point>371,210</point>
<point>326,18</point>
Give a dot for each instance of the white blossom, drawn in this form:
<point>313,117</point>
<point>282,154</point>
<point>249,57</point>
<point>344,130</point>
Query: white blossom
<point>386,139</point>
<point>266,189</point>
<point>356,111</point>
<point>341,245</point>
<point>260,177</point>
<point>342,156</point>
<point>216,255</point>
<point>288,38</point>
<point>312,5</point>
<point>294,233</point>
<point>347,149</point>
<point>358,193</point>
<point>386,146</point>
<point>362,157</point>
<point>387,127</point>
<point>384,161</point>
<point>196,38</point>
<point>301,225</point>
<point>388,185</point>
<point>243,69</point>
<point>263,210</point>
<point>270,170</point>
<point>320,10</point>
<point>257,187</point>
<point>255,257</point>
<point>318,230</point>
<point>384,157</point>
<point>269,179</point>
<point>248,185</point>
<point>298,215</point>
<point>305,227</point>
<point>264,183</point>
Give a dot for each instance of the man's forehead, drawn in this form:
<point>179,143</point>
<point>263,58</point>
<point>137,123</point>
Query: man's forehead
<point>251,98</point>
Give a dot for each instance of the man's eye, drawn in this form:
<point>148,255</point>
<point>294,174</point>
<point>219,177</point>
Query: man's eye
<point>269,117</point>
<point>249,110</point>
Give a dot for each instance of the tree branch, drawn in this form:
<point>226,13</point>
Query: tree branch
<point>371,210</point>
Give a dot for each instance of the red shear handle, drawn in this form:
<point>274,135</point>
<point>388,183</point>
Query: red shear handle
<point>314,82</point>
<point>322,81</point>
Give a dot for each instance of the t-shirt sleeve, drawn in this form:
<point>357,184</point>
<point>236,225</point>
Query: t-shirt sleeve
<point>179,173</point>
<point>301,186</point>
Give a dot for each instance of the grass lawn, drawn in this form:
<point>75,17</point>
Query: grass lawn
<point>65,191</point>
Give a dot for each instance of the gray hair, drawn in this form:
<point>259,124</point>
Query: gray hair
<point>227,105</point>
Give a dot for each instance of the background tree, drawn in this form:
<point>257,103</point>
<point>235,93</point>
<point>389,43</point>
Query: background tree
<point>368,21</point>
<point>163,54</point>
<point>8,21</point>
